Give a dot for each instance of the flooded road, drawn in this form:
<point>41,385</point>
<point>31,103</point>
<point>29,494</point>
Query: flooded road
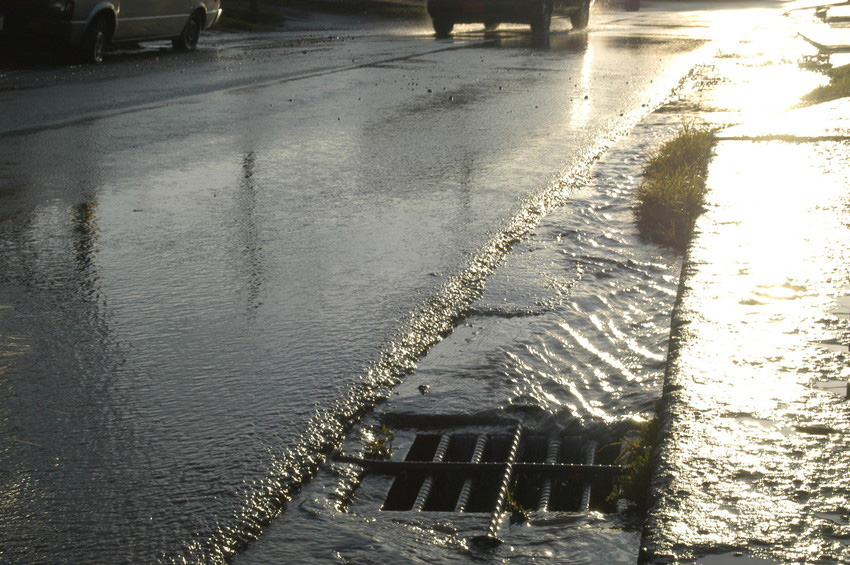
<point>213,264</point>
<point>570,333</point>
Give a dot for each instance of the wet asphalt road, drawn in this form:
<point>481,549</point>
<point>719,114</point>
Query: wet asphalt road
<point>201,251</point>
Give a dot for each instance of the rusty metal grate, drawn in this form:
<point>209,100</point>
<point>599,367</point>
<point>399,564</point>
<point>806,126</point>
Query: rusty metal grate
<point>478,471</point>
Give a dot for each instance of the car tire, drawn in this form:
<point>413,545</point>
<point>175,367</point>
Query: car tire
<point>541,18</point>
<point>95,40</point>
<point>581,18</point>
<point>442,26</point>
<point>188,38</point>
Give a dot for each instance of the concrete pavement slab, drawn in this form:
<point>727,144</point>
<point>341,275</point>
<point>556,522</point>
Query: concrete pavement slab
<point>755,418</point>
<point>826,120</point>
<point>754,449</point>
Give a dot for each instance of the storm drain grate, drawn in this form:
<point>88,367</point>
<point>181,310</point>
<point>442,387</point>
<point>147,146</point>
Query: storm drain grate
<point>487,471</point>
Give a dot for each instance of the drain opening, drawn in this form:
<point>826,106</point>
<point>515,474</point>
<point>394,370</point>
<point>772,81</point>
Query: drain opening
<point>478,472</point>
<point>403,492</point>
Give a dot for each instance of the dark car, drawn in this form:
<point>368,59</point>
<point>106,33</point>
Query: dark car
<point>537,13</point>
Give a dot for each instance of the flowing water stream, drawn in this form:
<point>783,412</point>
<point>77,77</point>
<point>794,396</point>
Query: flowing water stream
<point>184,338</point>
<point>572,330</point>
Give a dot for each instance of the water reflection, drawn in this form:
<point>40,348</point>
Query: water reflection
<point>245,218</point>
<point>85,228</point>
<point>580,106</point>
<point>563,42</point>
<point>59,364</point>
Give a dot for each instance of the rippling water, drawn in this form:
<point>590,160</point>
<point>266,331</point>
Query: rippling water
<point>573,324</point>
<point>183,339</point>
<point>572,329</point>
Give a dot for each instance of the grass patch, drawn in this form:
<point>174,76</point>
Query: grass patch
<point>636,458</point>
<point>838,87</point>
<point>672,193</point>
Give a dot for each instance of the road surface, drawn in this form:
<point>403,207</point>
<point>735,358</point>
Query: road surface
<point>202,253</point>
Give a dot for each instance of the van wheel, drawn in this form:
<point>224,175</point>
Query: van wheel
<point>581,18</point>
<point>93,46</point>
<point>188,38</point>
<point>541,17</point>
<point>443,26</point>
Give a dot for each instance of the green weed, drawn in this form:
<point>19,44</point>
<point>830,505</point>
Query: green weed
<point>636,459</point>
<point>518,513</point>
<point>672,193</point>
<point>379,443</point>
<point>838,87</point>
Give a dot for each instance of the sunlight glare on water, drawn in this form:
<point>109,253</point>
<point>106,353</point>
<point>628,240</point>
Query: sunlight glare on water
<point>758,66</point>
<point>760,450</point>
<point>204,329</point>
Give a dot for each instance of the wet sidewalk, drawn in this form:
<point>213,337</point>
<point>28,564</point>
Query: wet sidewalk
<point>756,425</point>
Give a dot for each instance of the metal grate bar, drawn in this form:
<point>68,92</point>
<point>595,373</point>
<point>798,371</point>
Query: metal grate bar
<point>589,457</point>
<point>428,483</point>
<point>547,469</point>
<point>501,499</point>
<point>463,499</point>
<point>552,456</point>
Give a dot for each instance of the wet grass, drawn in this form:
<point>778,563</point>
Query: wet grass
<point>838,87</point>
<point>672,193</point>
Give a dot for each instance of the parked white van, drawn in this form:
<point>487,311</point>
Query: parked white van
<point>90,25</point>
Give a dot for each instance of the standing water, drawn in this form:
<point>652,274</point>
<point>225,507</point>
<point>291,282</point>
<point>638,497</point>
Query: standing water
<point>570,332</point>
<point>185,335</point>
